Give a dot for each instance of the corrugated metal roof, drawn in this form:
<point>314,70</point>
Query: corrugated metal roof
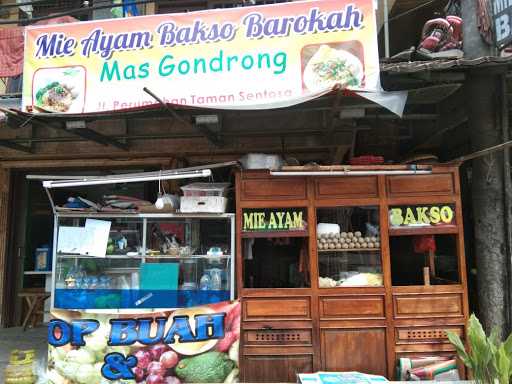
<point>444,64</point>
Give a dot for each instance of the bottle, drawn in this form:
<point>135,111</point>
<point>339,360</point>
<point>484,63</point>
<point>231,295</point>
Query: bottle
<point>205,282</point>
<point>216,278</point>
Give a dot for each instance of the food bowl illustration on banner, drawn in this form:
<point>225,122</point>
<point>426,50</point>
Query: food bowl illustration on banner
<point>59,89</point>
<point>192,345</point>
<point>330,66</point>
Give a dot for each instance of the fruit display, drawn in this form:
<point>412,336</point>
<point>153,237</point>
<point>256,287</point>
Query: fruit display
<point>346,240</point>
<point>211,361</point>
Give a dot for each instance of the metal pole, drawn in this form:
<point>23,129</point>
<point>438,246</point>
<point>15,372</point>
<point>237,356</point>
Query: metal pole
<point>386,29</point>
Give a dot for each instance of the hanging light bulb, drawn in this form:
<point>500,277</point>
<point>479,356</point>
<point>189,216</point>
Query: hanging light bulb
<point>159,203</point>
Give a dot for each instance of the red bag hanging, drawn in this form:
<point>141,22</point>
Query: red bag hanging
<point>424,244</point>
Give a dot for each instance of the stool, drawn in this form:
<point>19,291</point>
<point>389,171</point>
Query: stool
<point>34,300</point>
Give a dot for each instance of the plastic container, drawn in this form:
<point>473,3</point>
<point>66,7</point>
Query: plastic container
<point>261,161</point>
<point>205,189</point>
<point>204,204</point>
<point>43,259</point>
<point>20,369</point>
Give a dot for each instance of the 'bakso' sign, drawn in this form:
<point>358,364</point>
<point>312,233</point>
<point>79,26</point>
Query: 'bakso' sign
<point>502,17</point>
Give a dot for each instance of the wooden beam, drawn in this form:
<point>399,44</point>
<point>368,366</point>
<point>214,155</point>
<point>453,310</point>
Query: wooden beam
<point>16,146</point>
<point>211,136</point>
<point>91,135</point>
<point>446,123</point>
<point>85,133</point>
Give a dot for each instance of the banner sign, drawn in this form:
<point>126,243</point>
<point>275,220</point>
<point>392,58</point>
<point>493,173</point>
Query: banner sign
<point>420,215</point>
<point>239,58</point>
<point>191,345</point>
<point>502,20</point>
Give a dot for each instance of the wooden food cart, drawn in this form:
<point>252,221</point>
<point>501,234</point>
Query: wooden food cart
<point>390,289</point>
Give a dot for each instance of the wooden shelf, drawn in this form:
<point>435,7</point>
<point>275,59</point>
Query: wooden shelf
<point>430,230</point>
<point>349,250</point>
<point>256,234</point>
<point>37,272</point>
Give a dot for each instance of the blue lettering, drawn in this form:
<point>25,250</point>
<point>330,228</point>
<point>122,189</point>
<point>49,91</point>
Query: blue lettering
<point>123,332</point>
<point>181,328</point>
<point>80,328</point>
<point>209,326</point>
<point>145,330</point>
<point>253,24</point>
<point>54,45</point>
<point>63,328</point>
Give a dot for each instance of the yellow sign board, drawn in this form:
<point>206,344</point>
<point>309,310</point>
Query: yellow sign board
<point>421,215</point>
<point>275,220</point>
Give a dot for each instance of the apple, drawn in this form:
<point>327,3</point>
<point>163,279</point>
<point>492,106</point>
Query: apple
<point>143,358</point>
<point>169,359</point>
<point>155,379</point>
<point>157,350</point>
<point>156,368</point>
<point>139,374</point>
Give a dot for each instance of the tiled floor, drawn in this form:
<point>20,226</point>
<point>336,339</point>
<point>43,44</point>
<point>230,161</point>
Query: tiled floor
<point>15,338</point>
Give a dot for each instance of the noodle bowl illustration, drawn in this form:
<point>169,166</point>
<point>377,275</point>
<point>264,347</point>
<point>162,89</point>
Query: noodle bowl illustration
<point>329,67</point>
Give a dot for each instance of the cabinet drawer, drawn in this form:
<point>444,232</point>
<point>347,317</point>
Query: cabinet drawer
<point>425,334</point>
<point>352,307</point>
<point>346,187</point>
<point>270,308</point>
<point>277,337</point>
<point>442,183</point>
<point>265,189</point>
<point>447,305</point>
<point>275,368</point>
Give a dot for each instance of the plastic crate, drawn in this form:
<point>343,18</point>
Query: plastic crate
<point>205,189</point>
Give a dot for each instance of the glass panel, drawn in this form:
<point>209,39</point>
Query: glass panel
<point>186,262</point>
<point>125,237</point>
<point>278,262</point>
<point>348,246</point>
<point>423,260</point>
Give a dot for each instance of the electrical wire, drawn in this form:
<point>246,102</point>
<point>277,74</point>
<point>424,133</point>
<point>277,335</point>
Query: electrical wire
<point>85,10</point>
<point>412,10</point>
<point>14,5</point>
<point>78,11</point>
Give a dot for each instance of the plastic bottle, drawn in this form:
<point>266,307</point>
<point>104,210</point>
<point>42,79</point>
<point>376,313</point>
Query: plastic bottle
<point>216,277</point>
<point>205,282</point>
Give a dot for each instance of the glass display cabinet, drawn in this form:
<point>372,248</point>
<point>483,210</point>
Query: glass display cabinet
<point>151,261</point>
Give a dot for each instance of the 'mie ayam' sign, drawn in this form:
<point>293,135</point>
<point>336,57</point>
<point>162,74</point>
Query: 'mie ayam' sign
<point>247,57</point>
<point>285,219</point>
<point>420,215</point>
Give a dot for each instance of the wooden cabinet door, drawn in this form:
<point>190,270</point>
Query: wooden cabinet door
<point>275,369</point>
<point>362,350</point>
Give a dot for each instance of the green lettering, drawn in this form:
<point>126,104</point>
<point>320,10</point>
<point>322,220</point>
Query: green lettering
<point>422,215</point>
<point>409,217</point>
<point>396,216</point>
<point>248,221</point>
<point>297,219</point>
<point>110,72</point>
<point>280,216</point>
<point>272,223</point>
<point>435,217</point>
<point>446,214</point>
